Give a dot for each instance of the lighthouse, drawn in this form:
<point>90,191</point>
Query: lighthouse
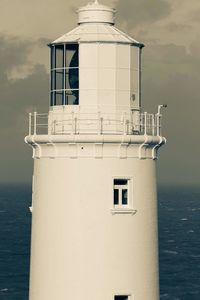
<point>94,204</point>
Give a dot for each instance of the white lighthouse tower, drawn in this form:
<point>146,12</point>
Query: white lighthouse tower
<point>94,210</point>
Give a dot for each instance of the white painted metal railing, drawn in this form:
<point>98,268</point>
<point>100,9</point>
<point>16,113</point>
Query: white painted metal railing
<point>95,123</point>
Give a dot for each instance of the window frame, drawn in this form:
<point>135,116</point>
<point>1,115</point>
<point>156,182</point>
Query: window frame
<point>65,71</point>
<point>123,208</point>
<point>120,188</point>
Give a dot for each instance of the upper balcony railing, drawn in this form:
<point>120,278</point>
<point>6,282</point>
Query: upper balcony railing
<point>95,123</point>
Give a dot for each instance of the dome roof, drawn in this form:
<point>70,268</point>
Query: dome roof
<point>96,33</point>
<point>96,25</point>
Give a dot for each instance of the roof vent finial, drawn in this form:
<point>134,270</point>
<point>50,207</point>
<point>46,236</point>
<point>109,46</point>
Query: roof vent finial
<point>94,12</point>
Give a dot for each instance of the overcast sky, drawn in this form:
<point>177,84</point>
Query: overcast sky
<point>171,74</point>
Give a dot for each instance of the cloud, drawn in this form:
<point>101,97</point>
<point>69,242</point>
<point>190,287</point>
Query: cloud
<point>171,75</point>
<point>18,97</point>
<point>13,52</point>
<point>134,13</point>
<point>175,27</point>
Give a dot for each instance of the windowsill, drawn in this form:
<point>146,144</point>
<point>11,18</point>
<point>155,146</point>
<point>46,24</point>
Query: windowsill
<point>129,211</point>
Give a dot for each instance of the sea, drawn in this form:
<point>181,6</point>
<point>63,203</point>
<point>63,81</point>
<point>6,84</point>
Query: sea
<point>179,242</point>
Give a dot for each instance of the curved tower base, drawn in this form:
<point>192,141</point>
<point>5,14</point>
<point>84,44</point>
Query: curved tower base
<point>85,245</point>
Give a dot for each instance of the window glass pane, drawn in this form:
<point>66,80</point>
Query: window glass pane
<point>52,98</point>
<point>73,78</point>
<point>59,56</point>
<point>59,80</point>
<point>120,181</point>
<point>59,98</point>
<point>71,81</point>
<point>116,196</point>
<point>121,297</point>
<point>72,97</point>
<point>52,57</point>
<point>67,85</point>
<point>124,197</point>
<point>72,56</point>
<point>53,74</point>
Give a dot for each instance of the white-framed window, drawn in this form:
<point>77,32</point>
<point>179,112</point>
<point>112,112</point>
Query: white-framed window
<point>121,193</point>
<point>122,196</point>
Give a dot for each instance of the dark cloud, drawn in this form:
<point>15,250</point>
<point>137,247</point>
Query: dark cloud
<point>175,27</point>
<point>17,98</point>
<point>170,75</point>
<point>13,52</point>
<point>134,13</point>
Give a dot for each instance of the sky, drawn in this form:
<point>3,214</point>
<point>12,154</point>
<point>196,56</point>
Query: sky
<point>170,74</point>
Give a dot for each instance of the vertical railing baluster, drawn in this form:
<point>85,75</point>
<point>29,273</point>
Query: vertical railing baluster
<point>100,123</point>
<point>35,124</point>
<point>153,124</point>
<point>30,125</point>
<point>145,123</point>
<point>158,124</point>
<point>54,126</point>
<point>124,124</point>
<point>72,130</point>
<point>142,123</point>
<point>75,125</point>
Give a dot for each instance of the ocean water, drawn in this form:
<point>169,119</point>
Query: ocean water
<point>179,239</point>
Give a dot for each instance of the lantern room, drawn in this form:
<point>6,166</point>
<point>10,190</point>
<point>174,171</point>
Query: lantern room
<point>95,66</point>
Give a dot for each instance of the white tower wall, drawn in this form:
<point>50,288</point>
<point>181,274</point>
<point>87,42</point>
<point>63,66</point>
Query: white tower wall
<point>82,246</point>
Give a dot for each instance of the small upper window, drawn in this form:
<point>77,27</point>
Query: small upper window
<point>121,193</point>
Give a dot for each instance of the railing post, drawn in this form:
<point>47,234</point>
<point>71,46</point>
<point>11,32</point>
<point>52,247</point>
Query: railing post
<point>35,124</point>
<point>153,124</point>
<point>124,124</point>
<point>30,125</point>
<point>75,125</point>
<point>158,124</point>
<point>54,126</point>
<point>100,123</point>
<point>145,123</point>
<point>158,118</point>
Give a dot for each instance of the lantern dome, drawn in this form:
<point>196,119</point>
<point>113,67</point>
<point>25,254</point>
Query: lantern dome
<point>96,13</point>
<point>97,32</point>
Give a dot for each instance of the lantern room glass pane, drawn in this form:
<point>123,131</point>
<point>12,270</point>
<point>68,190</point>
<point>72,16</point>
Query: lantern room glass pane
<point>59,56</point>
<point>53,74</point>
<point>53,63</point>
<point>71,98</point>
<point>72,56</point>
<point>59,98</point>
<point>71,81</point>
<point>59,80</point>
<point>52,98</point>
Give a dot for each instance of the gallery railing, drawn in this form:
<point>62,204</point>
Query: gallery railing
<point>95,123</point>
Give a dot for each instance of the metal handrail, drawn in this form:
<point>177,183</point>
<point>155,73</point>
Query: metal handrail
<point>99,123</point>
